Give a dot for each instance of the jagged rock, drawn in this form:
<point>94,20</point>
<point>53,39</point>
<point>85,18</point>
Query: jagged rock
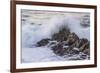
<point>65,43</point>
<point>82,41</point>
<point>43,42</point>
<point>73,41</point>
<point>72,37</point>
<point>84,44</point>
<point>67,50</point>
<point>61,35</point>
<point>58,49</point>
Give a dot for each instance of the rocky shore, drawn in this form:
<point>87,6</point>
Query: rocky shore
<point>68,45</point>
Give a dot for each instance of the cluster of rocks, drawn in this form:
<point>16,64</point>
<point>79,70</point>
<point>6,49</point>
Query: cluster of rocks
<point>67,44</point>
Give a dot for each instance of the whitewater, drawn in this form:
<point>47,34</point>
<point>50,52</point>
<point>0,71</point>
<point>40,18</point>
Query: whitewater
<point>34,30</point>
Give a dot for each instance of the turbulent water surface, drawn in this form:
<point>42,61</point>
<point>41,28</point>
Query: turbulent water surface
<point>37,25</point>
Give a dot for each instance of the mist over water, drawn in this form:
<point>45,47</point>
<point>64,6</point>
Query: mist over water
<point>36,28</point>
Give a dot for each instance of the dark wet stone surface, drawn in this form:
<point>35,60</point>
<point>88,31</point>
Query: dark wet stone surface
<point>64,38</point>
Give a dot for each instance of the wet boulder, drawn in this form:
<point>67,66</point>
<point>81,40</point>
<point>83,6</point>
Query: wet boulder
<point>67,44</point>
<point>58,49</point>
<point>61,35</point>
<point>74,51</point>
<point>82,41</point>
<point>52,43</point>
<point>72,37</point>
<point>84,44</point>
<point>43,42</point>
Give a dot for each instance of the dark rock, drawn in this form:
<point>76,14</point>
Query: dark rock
<point>67,50</point>
<point>52,43</point>
<point>65,43</point>
<point>61,35</point>
<point>43,42</point>
<point>84,56</point>
<point>74,51</point>
<point>59,45</point>
<point>72,37</point>
<point>58,49</point>
<point>84,46</point>
<point>82,41</point>
<point>87,51</point>
<point>74,46</point>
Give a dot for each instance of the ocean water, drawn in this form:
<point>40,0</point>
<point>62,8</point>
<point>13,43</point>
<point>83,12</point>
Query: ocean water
<point>37,25</point>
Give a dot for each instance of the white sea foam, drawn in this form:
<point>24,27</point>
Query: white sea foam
<point>32,33</point>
